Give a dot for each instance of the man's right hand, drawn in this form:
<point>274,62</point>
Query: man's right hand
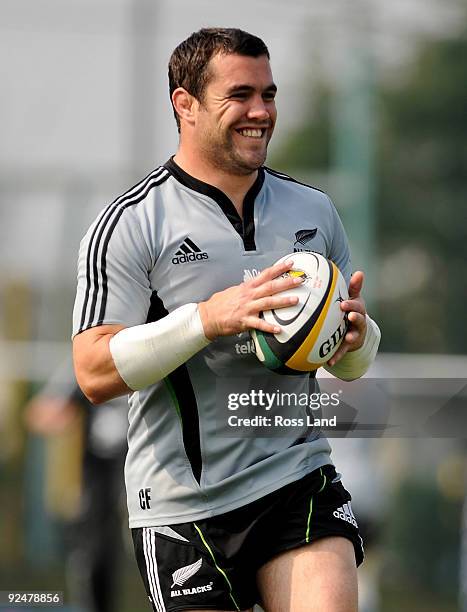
<point>237,308</point>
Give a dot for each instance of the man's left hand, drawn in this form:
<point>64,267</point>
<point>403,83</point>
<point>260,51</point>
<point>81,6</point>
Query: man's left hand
<point>356,313</point>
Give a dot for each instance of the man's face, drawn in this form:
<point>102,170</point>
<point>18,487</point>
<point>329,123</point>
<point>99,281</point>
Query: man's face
<point>236,117</point>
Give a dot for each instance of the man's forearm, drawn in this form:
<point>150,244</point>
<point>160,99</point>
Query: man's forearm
<point>355,364</point>
<point>147,353</point>
<point>95,370</point>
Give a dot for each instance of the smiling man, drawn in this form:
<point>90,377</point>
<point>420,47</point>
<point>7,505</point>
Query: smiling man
<point>172,276</point>
<point>233,140</point>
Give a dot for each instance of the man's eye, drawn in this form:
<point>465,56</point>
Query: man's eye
<point>269,97</point>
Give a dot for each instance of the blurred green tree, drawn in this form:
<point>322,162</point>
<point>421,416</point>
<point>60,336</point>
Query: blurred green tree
<point>420,195</point>
<point>424,525</point>
<point>422,199</point>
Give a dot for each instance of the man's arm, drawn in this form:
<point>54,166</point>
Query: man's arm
<point>94,366</point>
<point>111,360</point>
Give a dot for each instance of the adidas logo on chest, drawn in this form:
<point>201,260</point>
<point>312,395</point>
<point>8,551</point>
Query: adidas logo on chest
<point>188,252</point>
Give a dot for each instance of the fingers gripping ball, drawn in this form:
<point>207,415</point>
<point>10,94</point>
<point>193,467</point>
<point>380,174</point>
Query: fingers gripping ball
<point>312,329</point>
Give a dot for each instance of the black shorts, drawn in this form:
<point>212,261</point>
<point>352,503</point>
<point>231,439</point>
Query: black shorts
<point>212,563</point>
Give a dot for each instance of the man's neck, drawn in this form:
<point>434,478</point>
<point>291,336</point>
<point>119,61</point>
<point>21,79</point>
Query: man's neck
<point>234,186</point>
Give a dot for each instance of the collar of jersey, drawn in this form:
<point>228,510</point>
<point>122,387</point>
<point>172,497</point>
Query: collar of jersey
<point>246,226</point>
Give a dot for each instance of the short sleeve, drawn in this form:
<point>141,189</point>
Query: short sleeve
<point>340,251</point>
<point>113,272</point>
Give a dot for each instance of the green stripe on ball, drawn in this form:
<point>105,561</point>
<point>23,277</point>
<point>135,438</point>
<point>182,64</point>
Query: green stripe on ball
<point>270,360</point>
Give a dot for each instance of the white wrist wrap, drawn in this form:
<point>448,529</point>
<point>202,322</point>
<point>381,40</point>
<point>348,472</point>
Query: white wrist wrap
<point>354,364</point>
<point>145,354</point>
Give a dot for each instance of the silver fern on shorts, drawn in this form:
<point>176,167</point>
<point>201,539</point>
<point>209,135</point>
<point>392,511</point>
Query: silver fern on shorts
<point>181,575</point>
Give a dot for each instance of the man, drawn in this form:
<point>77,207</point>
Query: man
<point>219,522</point>
<point>93,537</point>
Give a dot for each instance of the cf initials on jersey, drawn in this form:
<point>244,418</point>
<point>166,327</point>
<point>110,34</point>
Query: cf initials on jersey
<point>145,499</point>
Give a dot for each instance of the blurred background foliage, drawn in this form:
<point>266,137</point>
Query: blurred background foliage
<point>419,198</point>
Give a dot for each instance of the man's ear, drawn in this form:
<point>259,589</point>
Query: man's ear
<point>185,105</point>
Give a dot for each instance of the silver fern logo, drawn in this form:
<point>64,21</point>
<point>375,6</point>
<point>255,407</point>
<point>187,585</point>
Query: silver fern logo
<point>181,575</point>
<point>303,238</point>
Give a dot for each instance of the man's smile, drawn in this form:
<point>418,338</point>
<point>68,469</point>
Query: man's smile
<point>251,132</point>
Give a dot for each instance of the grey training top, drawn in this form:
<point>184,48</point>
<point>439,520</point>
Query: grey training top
<point>171,240</point>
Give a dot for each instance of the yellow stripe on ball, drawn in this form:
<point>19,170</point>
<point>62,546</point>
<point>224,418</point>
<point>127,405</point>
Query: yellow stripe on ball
<point>299,360</point>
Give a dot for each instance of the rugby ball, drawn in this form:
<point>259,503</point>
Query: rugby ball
<point>312,329</point>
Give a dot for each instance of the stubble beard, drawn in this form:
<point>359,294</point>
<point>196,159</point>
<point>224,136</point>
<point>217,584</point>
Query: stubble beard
<point>221,154</point>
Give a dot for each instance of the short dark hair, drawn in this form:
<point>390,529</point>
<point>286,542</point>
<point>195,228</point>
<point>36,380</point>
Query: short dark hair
<point>188,65</point>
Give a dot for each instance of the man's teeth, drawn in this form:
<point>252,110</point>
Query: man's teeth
<point>251,133</point>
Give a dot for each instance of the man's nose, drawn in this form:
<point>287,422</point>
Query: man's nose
<point>258,109</point>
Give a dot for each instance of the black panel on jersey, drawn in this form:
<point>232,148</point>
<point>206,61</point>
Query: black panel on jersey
<point>183,389</point>
<point>245,227</point>
<point>249,212</point>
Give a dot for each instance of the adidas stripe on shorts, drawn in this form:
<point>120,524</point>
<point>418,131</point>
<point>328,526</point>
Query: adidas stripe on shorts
<point>212,563</point>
